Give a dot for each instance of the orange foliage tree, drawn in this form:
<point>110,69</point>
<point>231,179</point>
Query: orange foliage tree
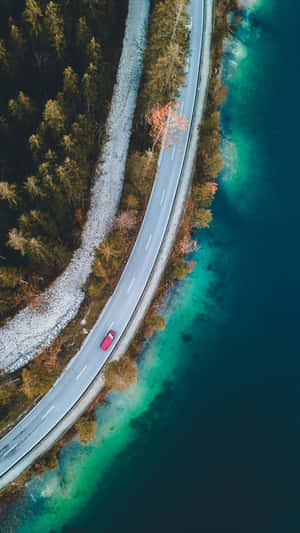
<point>166,123</point>
<point>125,222</point>
<point>28,294</point>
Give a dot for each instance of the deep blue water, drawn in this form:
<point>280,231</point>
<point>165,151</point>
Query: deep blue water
<point>218,449</point>
<point>223,453</point>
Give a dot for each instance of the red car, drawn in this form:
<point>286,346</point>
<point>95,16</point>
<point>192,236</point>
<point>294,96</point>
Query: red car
<point>108,340</point>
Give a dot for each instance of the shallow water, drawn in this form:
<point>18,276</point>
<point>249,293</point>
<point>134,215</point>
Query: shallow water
<point>209,438</point>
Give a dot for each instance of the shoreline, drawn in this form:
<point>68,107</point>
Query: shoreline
<point>173,228</point>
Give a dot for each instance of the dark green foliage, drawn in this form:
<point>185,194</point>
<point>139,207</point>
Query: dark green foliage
<point>57,66</point>
<point>165,55</point>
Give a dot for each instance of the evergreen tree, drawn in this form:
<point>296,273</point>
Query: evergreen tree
<point>54,116</point>
<point>3,55</point>
<point>33,187</point>
<point>8,191</point>
<point>17,241</point>
<point>10,277</point>
<point>33,15</point>
<point>17,38</point>
<point>21,106</point>
<point>54,23</point>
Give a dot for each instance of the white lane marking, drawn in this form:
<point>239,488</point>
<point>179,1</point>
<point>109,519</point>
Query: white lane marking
<point>148,242</point>
<point>111,326</point>
<point>10,450</point>
<point>181,108</point>
<point>162,197</point>
<point>173,152</point>
<point>48,412</point>
<point>131,285</point>
<point>81,372</point>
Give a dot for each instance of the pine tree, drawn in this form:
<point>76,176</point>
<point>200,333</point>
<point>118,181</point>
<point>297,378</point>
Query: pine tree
<point>17,241</point>
<point>108,251</point>
<point>38,251</point>
<point>94,54</point>
<point>17,38</point>
<point>90,86</point>
<point>55,25</point>
<point>8,192</point>
<point>10,277</point>
<point>83,33</point>
<point>35,144</point>
<point>3,55</point>
<point>98,269</point>
<point>141,170</point>
<point>70,179</point>
<point>54,116</point>
<point>33,187</point>
<point>33,15</point>
<point>21,106</point>
<point>70,83</point>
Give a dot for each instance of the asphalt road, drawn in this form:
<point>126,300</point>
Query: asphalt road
<point>117,313</point>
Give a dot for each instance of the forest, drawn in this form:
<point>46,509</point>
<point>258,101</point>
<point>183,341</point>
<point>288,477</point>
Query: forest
<point>58,61</point>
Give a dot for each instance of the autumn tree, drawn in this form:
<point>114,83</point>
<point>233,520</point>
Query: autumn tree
<point>131,201</point>
<point>99,270</point>
<point>158,322</point>
<point>125,222</point>
<point>204,193</point>
<point>49,461</point>
<point>36,382</point>
<point>121,374</point>
<point>201,218</point>
<point>166,123</point>
<point>180,269</point>
<point>86,427</point>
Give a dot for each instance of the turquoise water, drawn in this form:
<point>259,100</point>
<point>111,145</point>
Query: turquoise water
<point>209,438</point>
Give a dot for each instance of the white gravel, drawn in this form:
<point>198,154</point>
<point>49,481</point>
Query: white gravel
<point>31,329</point>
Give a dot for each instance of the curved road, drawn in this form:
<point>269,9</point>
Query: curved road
<point>90,359</point>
